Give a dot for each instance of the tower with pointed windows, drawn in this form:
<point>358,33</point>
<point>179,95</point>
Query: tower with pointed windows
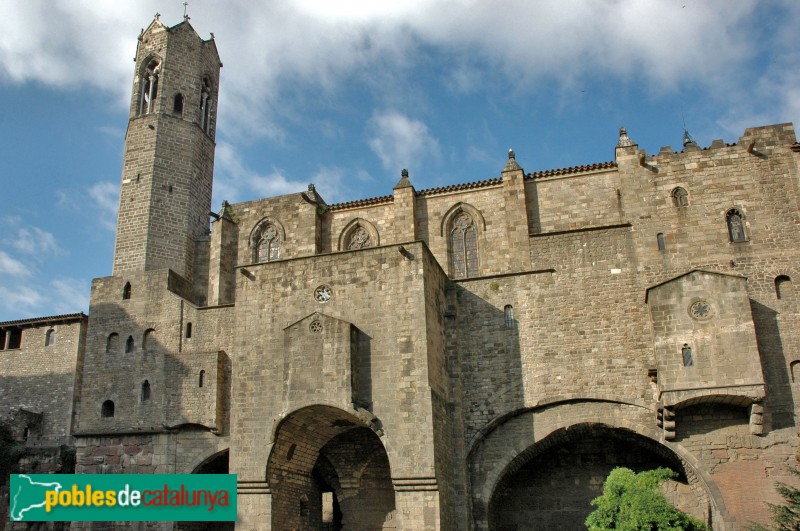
<point>168,165</point>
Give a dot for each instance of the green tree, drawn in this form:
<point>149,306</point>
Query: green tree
<point>786,516</point>
<point>632,502</point>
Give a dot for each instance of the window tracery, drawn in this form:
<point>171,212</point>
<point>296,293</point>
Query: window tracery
<point>268,246</point>
<point>463,246</point>
<point>359,239</point>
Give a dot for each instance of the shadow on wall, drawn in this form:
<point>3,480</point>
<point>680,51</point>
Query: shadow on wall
<point>779,404</point>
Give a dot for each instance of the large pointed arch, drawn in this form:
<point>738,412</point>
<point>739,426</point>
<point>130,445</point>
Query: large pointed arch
<point>462,228</point>
<point>533,432</point>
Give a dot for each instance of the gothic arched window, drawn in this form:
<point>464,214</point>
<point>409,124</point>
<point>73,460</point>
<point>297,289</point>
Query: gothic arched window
<point>149,87</point>
<point>463,242</point>
<point>147,339</point>
<point>735,221</point>
<point>126,291</point>
<point>662,244</point>
<point>268,246</point>
<point>50,338</point>
<point>680,197</point>
<point>177,104</point>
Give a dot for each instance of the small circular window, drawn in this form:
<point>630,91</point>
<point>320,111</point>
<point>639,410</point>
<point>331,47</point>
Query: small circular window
<point>323,294</point>
<point>700,309</point>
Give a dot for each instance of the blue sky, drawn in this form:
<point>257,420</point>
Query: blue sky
<point>345,94</point>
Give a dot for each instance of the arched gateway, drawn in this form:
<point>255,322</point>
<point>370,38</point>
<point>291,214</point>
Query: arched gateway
<point>540,468</point>
<point>329,470</point>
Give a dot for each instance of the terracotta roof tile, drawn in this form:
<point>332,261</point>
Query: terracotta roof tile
<point>572,170</point>
<point>362,202</point>
<point>459,187</point>
<point>51,319</point>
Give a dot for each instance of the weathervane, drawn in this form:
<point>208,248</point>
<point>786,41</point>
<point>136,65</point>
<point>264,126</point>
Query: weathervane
<point>185,13</point>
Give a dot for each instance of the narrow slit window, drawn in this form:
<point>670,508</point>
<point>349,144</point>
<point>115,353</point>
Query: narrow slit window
<point>202,379</point>
<point>177,104</point>
<point>50,338</point>
<point>686,352</point>
<point>147,339</point>
<point>129,345</point>
<point>145,391</point>
<point>126,291</point>
<point>662,244</point>
<point>508,312</point>
<point>188,330</point>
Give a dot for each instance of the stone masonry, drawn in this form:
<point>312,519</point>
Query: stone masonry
<point>476,356</point>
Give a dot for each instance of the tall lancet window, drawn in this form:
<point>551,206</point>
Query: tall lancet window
<point>149,87</point>
<point>269,244</point>
<point>464,246</point>
<point>205,106</point>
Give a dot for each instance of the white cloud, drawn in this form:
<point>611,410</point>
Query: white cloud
<point>399,141</point>
<point>21,300</point>
<point>70,295</point>
<point>36,241</point>
<point>656,44</point>
<point>12,266</point>
<point>106,197</point>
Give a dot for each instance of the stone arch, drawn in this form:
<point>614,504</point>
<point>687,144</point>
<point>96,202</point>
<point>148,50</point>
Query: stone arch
<point>216,463</point>
<point>503,451</point>
<point>364,232</point>
<point>256,237</point>
<point>454,210</point>
<point>322,448</point>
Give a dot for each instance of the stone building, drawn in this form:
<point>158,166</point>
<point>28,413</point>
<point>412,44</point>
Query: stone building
<point>475,356</point>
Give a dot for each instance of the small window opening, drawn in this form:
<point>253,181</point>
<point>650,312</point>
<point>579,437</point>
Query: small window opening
<point>686,351</point>
<point>112,343</point>
<point>680,197</point>
<point>735,222</point>
<point>177,104</point>
<point>26,433</point>
<point>188,330</point>
<point>129,345</point>
<point>50,338</point>
<point>147,339</point>
<point>783,287</point>
<point>145,391</point>
<point>794,369</point>
<point>107,410</point>
<point>202,380</point>
<point>15,338</point>
<point>508,311</point>
<point>662,245</point>
<point>126,291</point>
<point>2,339</point>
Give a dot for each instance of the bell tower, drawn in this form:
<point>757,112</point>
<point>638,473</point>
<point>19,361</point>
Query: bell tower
<point>168,164</point>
